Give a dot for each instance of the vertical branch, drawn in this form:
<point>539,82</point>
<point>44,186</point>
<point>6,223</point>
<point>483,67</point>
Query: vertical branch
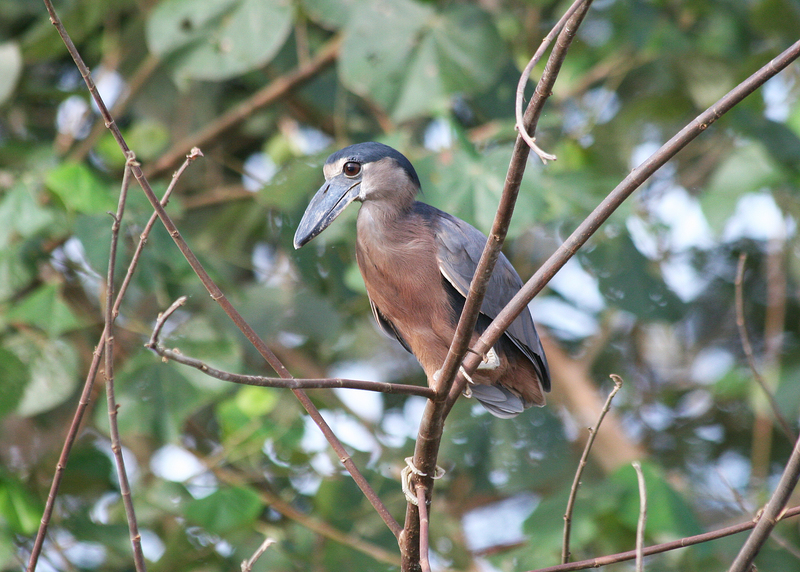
<point>772,513</point>
<point>329,53</point>
<point>424,542</point>
<point>116,445</point>
<point>642,517</point>
<point>432,423</point>
<point>748,350</point>
<point>576,482</point>
<point>88,385</point>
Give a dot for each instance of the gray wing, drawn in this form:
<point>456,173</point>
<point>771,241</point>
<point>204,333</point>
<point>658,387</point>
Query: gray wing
<point>459,249</point>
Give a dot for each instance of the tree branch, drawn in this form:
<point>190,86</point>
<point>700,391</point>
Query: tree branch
<point>212,287</point>
<point>773,512</point>
<point>261,381</point>
<point>432,424</point>
<point>576,482</point>
<point>633,181</point>
<point>748,350</point>
<point>642,516</point>
<point>665,547</point>
<point>116,443</point>
<point>88,385</point>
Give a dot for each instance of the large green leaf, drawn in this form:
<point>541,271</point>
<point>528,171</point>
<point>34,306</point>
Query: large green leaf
<point>45,309</point>
<point>18,509</point>
<point>14,375</point>
<point>218,39</point>
<point>412,60</point>
<point>225,510</point>
<point>53,367</point>
<point>79,188</point>
<point>21,215</point>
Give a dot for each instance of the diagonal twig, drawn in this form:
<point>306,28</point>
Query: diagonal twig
<point>772,513</point>
<point>664,547</point>
<point>573,493</point>
<point>604,210</point>
<point>88,385</point>
<point>261,381</point>
<point>247,565</point>
<point>214,291</point>
<point>748,350</point>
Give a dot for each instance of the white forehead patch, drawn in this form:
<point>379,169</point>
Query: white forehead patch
<point>330,170</point>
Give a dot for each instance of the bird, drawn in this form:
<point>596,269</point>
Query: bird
<point>417,263</point>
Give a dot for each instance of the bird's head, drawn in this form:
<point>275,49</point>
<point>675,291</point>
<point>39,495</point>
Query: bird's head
<point>362,172</point>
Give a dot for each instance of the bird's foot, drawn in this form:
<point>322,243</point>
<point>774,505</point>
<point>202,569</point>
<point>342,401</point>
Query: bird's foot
<point>405,479</point>
<point>490,361</point>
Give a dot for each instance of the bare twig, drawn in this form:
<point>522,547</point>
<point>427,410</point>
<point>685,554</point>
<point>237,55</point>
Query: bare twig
<point>665,547</point>
<point>116,444</point>
<point>772,513</point>
<point>261,381</point>
<point>521,126</point>
<point>146,69</point>
<point>642,516</point>
<point>88,385</point>
<point>633,181</point>
<point>247,565</point>
<point>576,482</point>
<point>276,89</point>
<point>212,288</point>
<point>748,350</point>
<point>424,542</point>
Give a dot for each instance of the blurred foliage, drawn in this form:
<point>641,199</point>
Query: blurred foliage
<point>650,297</point>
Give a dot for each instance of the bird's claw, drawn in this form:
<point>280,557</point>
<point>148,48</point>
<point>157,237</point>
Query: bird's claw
<point>408,485</point>
<point>490,361</point>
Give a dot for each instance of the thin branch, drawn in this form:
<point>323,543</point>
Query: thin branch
<point>576,482</point>
<point>146,69</point>
<point>748,351</point>
<point>665,547</point>
<point>261,381</point>
<point>88,385</point>
<point>269,94</point>
<point>247,565</point>
<point>424,542</point>
<point>633,181</point>
<point>116,444</point>
<point>772,513</point>
<point>642,516</point>
<point>521,126</point>
<point>212,288</point>
<point>432,423</point>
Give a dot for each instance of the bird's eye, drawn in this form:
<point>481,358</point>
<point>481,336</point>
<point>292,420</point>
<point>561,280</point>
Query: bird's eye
<point>351,169</point>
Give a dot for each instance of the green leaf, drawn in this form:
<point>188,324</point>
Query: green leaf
<point>14,273</point>
<point>412,60</point>
<point>13,379</point>
<point>746,169</point>
<point>79,189</point>
<point>45,309</point>
<point>53,372</point>
<point>21,215</point>
<point>225,510</point>
<point>378,44</point>
<point>10,69</point>
<point>18,509</point>
<point>256,401</point>
<point>219,39</point>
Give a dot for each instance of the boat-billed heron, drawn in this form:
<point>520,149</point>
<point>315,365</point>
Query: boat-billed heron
<point>417,263</point>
